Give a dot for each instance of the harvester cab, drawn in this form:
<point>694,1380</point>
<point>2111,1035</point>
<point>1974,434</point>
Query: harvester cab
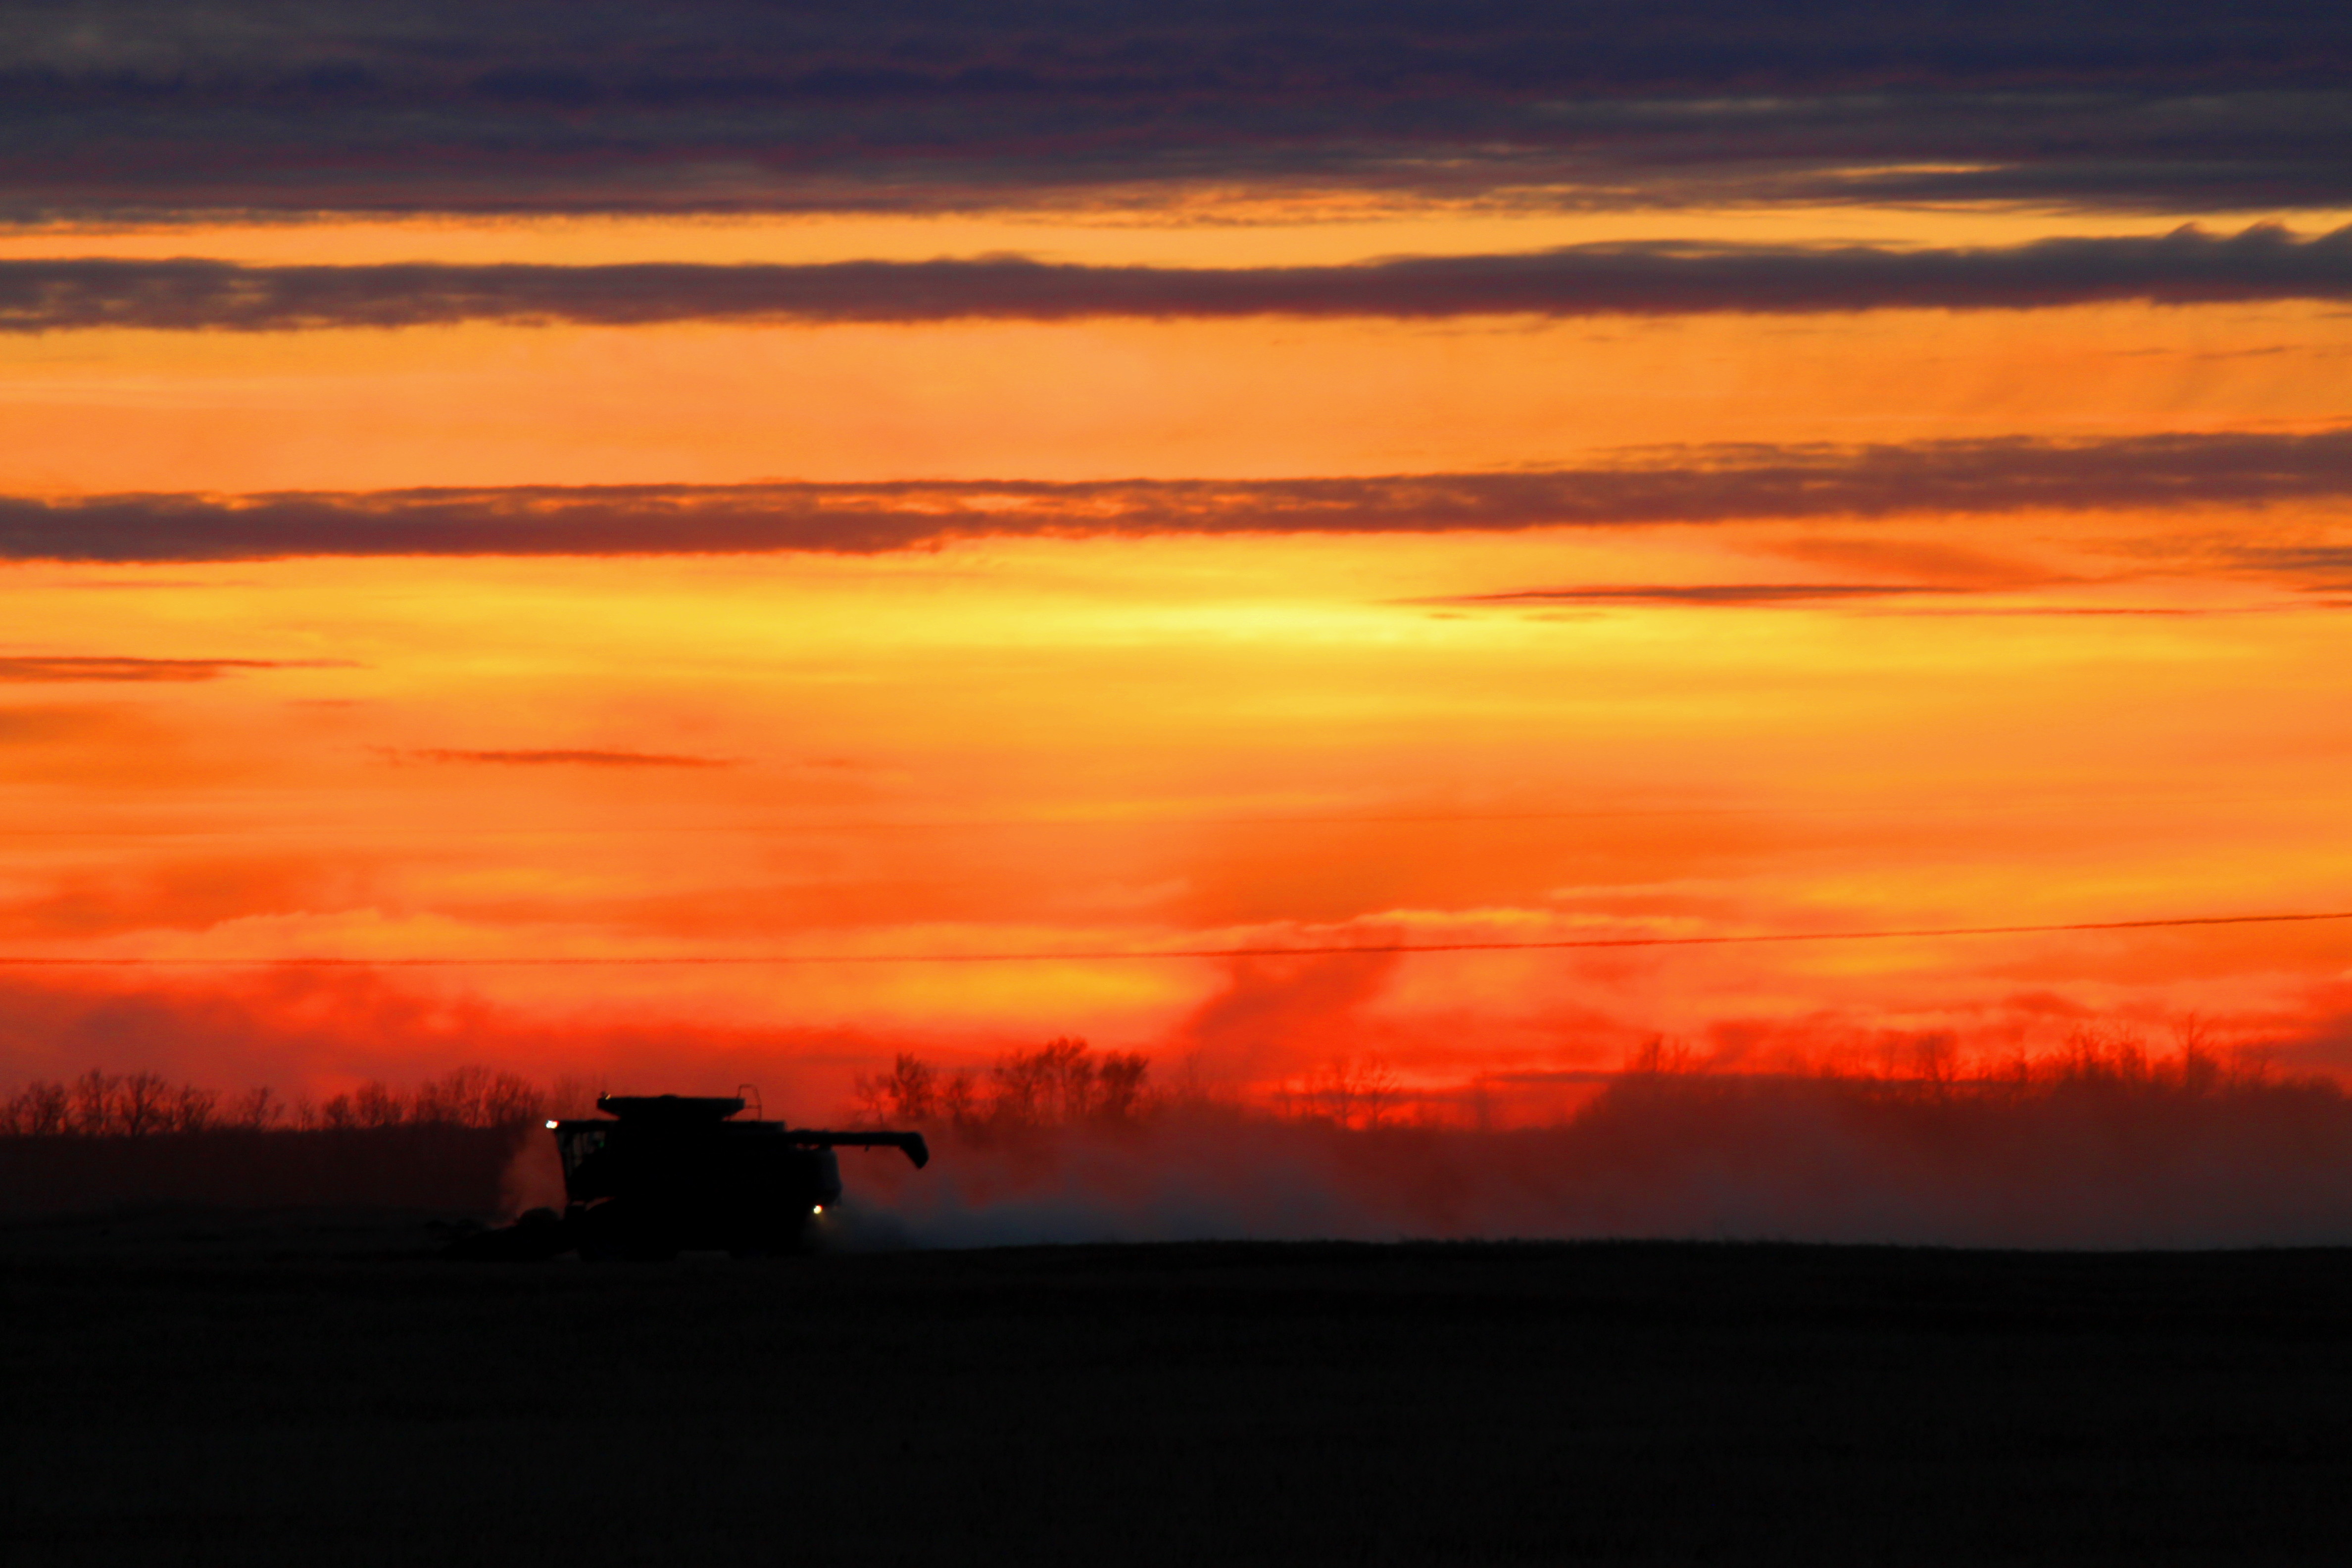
<point>658,1174</point>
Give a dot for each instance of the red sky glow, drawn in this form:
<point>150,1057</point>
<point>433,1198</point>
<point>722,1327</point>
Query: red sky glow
<point>774,798</point>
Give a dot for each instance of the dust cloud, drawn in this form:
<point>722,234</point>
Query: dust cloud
<point>2059,1161</point>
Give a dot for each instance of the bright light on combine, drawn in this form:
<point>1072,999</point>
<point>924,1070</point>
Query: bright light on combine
<point>819,1209</point>
<point>550,1126</point>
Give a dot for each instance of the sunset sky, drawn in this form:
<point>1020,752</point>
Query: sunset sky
<point>854,527</point>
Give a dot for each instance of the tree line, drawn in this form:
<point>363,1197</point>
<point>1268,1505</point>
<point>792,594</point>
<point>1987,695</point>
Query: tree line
<point>100,1104</point>
<point>1066,1083</point>
<point>1062,1083</point>
<point>2097,1057</point>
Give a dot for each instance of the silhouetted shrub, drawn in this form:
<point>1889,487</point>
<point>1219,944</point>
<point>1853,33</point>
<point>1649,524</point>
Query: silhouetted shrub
<point>1064,1082</point>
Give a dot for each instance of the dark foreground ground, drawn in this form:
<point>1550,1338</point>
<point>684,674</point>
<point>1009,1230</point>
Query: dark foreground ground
<point>309,1389</point>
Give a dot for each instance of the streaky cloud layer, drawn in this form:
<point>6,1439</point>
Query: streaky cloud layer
<point>40,669</point>
<point>2187,267</point>
<point>1698,593</point>
<point>729,105</point>
<point>572,757</point>
<point>1698,485</point>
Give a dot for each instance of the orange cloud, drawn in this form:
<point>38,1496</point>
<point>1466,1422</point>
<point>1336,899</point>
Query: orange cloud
<point>563,758</point>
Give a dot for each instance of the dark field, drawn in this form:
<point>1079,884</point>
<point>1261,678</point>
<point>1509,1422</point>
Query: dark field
<point>310,1389</point>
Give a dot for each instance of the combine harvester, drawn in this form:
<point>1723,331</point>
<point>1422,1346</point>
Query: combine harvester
<point>661,1174</point>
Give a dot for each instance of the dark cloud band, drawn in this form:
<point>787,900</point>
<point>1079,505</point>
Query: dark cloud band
<point>1698,485</point>
<point>702,105</point>
<point>2186,267</point>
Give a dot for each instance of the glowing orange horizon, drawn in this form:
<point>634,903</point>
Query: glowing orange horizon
<point>1253,749</point>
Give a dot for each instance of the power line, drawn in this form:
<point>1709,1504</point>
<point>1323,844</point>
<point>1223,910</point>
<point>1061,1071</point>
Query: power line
<point>1104,955</point>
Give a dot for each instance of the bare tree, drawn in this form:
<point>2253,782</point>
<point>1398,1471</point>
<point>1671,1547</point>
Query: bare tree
<point>1068,1072</point>
<point>41,1110</point>
<point>1359,1092</point>
<point>452,1099</point>
<point>1021,1086</point>
<point>142,1104</point>
<point>93,1104</point>
<point>1118,1085</point>
<point>256,1108</point>
<point>475,1097</point>
<point>509,1100</point>
<point>869,1100</point>
<point>1659,1057</point>
<point>2200,1059</point>
<point>2111,1053</point>
<point>911,1089</point>
<point>375,1104</point>
<point>1061,1082</point>
<point>960,1097</point>
<point>190,1108</point>
<point>572,1095</point>
<point>1934,1060</point>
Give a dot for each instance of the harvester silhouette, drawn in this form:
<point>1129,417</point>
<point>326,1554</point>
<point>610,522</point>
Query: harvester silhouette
<point>659,1174</point>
